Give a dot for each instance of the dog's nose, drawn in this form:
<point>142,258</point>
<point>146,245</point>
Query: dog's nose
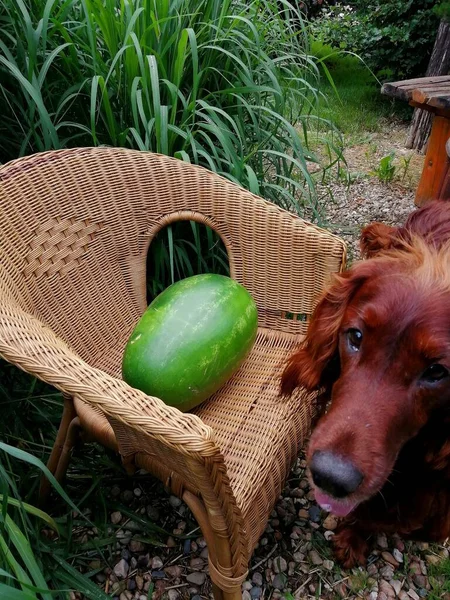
<point>335,475</point>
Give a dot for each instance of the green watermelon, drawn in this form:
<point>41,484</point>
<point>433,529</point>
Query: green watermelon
<point>191,339</point>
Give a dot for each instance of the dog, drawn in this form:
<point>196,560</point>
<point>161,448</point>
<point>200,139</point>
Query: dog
<point>378,351</point>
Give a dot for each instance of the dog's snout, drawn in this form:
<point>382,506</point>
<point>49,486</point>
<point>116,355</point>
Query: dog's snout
<point>335,475</point>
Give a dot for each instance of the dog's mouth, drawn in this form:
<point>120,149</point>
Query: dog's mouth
<point>340,508</point>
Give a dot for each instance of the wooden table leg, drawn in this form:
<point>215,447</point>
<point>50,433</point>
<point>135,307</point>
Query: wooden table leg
<point>435,165</point>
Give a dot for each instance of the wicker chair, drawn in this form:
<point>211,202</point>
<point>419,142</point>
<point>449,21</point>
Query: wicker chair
<point>74,234</point>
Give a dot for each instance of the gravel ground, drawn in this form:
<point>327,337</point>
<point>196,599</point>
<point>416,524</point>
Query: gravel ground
<point>293,559</point>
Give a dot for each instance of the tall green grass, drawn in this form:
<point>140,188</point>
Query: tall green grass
<point>221,83</point>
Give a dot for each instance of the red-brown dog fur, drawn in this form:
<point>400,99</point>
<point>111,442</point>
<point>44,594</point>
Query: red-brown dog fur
<point>381,415</point>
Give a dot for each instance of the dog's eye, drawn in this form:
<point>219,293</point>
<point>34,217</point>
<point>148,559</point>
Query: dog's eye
<point>354,338</point>
<point>435,373</point>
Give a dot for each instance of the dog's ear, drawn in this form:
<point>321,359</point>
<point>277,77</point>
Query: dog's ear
<point>377,237</point>
<point>316,363</point>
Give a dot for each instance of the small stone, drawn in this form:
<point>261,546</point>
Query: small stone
<point>387,572</point>
<point>382,541</point>
<point>397,555</point>
<point>139,582</point>
<point>158,575</point>
<point>152,512</point>
<point>423,593</point>
<point>303,513</point>
<point>397,585</point>
<point>100,578</point>
<point>255,592</point>
<point>341,589</point>
<point>197,564</point>
<point>311,496</point>
<point>386,588</point>
<point>131,585</point>
<point>136,546</point>
<point>116,517</point>
<point>291,568</point>
<point>127,496</point>
<point>314,513</point>
<point>174,571</point>
<point>387,556</point>
<point>420,580</point>
<point>298,558</point>
<point>246,595</point>
<point>121,569</point>
<point>197,578</point>
<point>257,579</point>
<point>247,585</point>
<point>372,570</point>
<point>125,554</point>
<point>414,568</point>
<point>314,557</point>
<point>414,595</point>
<point>187,546</point>
<point>279,581</point>
<point>373,596</point>
<point>403,595</point>
<point>133,563</point>
<point>157,563</point>
<point>328,564</point>
<point>174,501</point>
<point>115,491</point>
<point>328,535</point>
<point>204,553</point>
<point>171,543</point>
<point>126,596</point>
<point>330,523</point>
<point>382,596</point>
<point>279,564</point>
<point>137,492</point>
<point>172,594</point>
<point>432,559</point>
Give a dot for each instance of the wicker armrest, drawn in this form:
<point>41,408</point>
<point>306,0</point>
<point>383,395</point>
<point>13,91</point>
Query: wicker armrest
<point>29,344</point>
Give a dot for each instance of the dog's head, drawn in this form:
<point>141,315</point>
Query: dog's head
<point>379,344</point>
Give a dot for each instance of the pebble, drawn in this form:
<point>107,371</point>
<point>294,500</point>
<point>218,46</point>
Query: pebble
<point>174,571</point>
<point>139,582</point>
<point>387,589</point>
<point>387,556</point>
<point>172,594</point>
<point>279,564</point>
<point>137,492</point>
<point>314,513</point>
<point>246,595</point>
<point>152,512</point>
<point>330,523</point>
<point>403,595</point>
<point>115,491</point>
<point>432,559</point>
<point>328,535</point>
<point>121,569</point>
<point>157,563</point>
<point>174,501</point>
<point>116,517</point>
<point>247,585</point>
<point>397,585</point>
<point>279,581</point>
<point>414,595</point>
<point>314,557</point>
<point>397,555</point>
<point>197,578</point>
<point>298,557</point>
<point>303,513</point>
<point>255,592</point>
<point>127,496</point>
<point>387,572</point>
<point>257,579</point>
<point>136,546</point>
<point>197,564</point>
<point>382,541</point>
<point>158,574</point>
<point>328,564</point>
<point>382,596</point>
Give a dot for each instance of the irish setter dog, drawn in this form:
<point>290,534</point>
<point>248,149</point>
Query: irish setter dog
<point>378,349</point>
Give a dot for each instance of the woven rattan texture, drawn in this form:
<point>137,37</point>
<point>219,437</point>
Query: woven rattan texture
<point>74,234</point>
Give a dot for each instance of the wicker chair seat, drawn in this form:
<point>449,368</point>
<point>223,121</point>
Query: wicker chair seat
<point>250,425</point>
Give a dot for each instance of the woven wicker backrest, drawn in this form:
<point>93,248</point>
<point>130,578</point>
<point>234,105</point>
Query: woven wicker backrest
<point>77,224</point>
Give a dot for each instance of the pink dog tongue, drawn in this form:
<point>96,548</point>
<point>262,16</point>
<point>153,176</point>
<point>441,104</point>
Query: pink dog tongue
<point>332,505</point>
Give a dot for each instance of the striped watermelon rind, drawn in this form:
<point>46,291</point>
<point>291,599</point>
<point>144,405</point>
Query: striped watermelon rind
<point>191,339</point>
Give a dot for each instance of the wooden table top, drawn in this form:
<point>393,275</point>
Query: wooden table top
<point>432,93</point>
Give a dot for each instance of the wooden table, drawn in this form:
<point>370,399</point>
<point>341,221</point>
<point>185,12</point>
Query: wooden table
<point>432,94</point>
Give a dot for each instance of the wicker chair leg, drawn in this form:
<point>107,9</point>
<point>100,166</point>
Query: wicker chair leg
<point>73,435</point>
<point>218,546</point>
<point>52,464</point>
